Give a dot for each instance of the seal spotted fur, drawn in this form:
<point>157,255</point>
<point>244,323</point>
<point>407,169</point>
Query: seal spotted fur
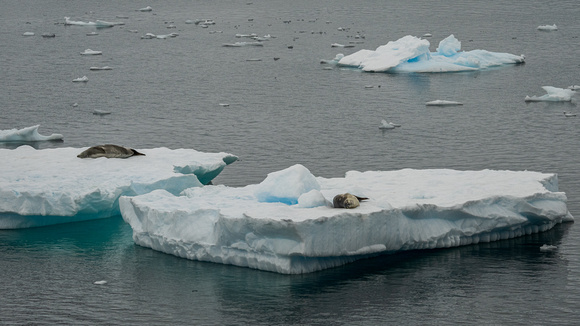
<point>347,201</point>
<point>108,151</point>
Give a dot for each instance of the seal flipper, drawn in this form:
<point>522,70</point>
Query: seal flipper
<point>136,153</point>
<point>361,198</point>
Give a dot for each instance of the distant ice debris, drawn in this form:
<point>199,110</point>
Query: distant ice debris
<point>285,224</point>
<point>224,104</point>
<point>427,35</point>
<point>411,54</point>
<point>386,125</point>
<point>48,35</point>
<point>574,87</point>
<point>101,112</point>
<point>101,68</point>
<point>548,248</point>
<point>246,35</point>
<point>338,45</point>
<point>81,79</point>
<point>28,34</point>
<point>92,34</point>
<point>442,103</point>
<point>28,134</point>
<point>100,282</point>
<point>555,94</point>
<point>148,8</point>
<point>240,44</point>
<point>51,186</point>
<point>91,52</point>
<point>97,23</point>
<point>548,28</point>
<point>153,36</point>
<point>569,114</point>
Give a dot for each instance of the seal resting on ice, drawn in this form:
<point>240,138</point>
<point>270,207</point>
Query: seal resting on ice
<point>108,151</point>
<point>347,201</point>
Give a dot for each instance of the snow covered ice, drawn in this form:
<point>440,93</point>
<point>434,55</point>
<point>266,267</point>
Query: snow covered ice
<point>554,94</point>
<point>411,54</point>
<point>51,186</point>
<point>28,134</point>
<point>286,224</point>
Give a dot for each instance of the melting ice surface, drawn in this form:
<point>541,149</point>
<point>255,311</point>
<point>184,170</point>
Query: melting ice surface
<point>411,54</point>
<point>28,134</point>
<point>286,224</point>
<point>50,186</point>
<point>554,94</point>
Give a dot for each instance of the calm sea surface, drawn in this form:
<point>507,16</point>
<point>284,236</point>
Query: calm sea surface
<point>167,93</point>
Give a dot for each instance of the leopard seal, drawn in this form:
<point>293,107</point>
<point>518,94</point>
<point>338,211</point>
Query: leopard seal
<point>108,151</point>
<point>347,201</point>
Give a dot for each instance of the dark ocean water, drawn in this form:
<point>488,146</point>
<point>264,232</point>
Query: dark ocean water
<point>166,93</point>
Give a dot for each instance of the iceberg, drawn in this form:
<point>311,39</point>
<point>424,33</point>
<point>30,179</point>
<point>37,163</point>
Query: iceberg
<point>554,94</point>
<point>51,186</point>
<point>28,134</point>
<point>286,224</point>
<point>411,54</point>
<point>548,28</point>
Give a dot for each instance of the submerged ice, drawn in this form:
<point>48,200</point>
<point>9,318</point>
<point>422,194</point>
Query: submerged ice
<point>553,94</point>
<point>411,54</point>
<point>50,186</point>
<point>286,224</point>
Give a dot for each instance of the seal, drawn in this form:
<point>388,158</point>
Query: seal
<point>347,201</point>
<point>108,151</point>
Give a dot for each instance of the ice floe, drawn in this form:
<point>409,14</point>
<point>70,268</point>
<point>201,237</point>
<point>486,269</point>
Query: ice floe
<point>28,134</point>
<point>285,224</point>
<point>101,68</point>
<point>388,125</point>
<point>548,28</point>
<point>81,79</point>
<point>240,44</point>
<point>91,52</point>
<point>51,186</point>
<point>548,248</point>
<point>28,34</point>
<point>443,103</point>
<point>97,23</point>
<point>146,9</point>
<point>554,94</point>
<point>411,54</point>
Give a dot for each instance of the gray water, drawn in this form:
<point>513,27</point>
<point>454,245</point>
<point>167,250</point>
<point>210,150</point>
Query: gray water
<point>166,93</point>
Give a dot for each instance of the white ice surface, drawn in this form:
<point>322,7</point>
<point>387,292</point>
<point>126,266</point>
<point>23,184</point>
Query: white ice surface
<point>50,186</point>
<point>554,94</point>
<point>411,54</point>
<point>408,209</point>
<point>28,134</point>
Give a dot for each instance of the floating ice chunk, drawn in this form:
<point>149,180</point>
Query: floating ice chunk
<point>48,35</point>
<point>574,87</point>
<point>98,23</point>
<point>148,8</point>
<point>386,125</point>
<point>28,34</point>
<point>442,103</point>
<point>555,94</point>
<point>427,35</point>
<point>548,28</point>
<point>81,79</point>
<point>100,282</point>
<point>101,68</point>
<point>569,114</point>
<point>338,45</point>
<point>411,54</point>
<point>91,52</point>
<point>287,185</point>
<point>240,44</point>
<point>407,210</point>
<point>51,186</point>
<point>246,35</point>
<point>149,36</point>
<point>92,34</point>
<point>547,248</point>
<point>101,112</point>
<point>29,134</point>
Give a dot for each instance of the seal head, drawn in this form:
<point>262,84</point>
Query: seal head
<point>347,201</point>
<point>108,151</point>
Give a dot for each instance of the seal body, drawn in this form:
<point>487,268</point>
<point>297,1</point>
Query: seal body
<point>347,201</point>
<point>108,151</point>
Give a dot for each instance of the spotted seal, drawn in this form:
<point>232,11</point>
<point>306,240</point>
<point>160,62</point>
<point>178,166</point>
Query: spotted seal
<point>347,201</point>
<point>108,151</point>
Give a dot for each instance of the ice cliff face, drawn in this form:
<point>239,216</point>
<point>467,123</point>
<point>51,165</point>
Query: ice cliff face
<point>407,209</point>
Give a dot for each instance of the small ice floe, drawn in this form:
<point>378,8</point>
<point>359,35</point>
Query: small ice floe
<point>100,282</point>
<point>91,52</point>
<point>569,114</point>
<point>224,104</point>
<point>92,34</point>
<point>28,134</point>
<point>254,59</point>
<point>101,112</point>
<point>189,21</point>
<point>338,45</point>
<point>75,105</point>
<point>427,35</point>
<point>133,31</point>
<point>262,38</point>
<point>81,79</point>
<point>548,28</point>
<point>28,34</point>
<point>102,23</point>
<point>548,248</point>
<point>442,103</point>
<point>388,125</point>
<point>574,87</point>
<point>369,86</point>
<point>148,8</point>
<point>101,68</point>
<point>48,35</point>
<point>240,44</point>
<point>205,22</point>
<point>555,94</point>
<point>148,36</point>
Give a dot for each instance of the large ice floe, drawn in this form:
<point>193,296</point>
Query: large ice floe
<point>411,54</point>
<point>50,186</point>
<point>286,224</point>
<point>28,134</point>
<point>553,94</point>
